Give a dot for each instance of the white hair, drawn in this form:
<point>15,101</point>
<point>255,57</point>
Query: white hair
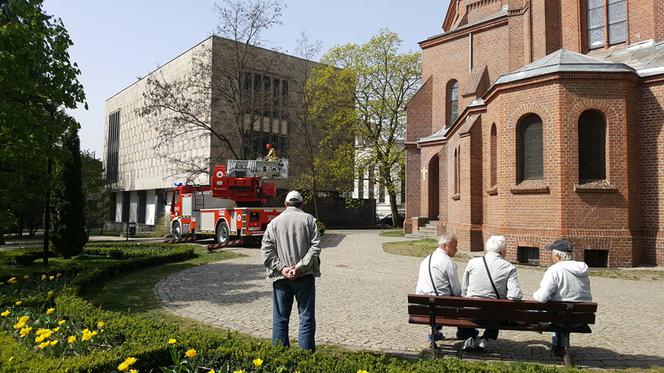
<point>496,244</point>
<point>446,239</point>
<point>562,255</point>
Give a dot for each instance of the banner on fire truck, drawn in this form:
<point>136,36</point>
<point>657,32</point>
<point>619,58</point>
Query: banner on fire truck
<point>256,168</point>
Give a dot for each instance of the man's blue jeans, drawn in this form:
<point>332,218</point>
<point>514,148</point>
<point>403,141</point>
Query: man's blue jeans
<point>303,290</point>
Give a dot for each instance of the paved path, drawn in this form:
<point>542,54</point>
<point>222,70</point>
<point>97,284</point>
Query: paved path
<point>361,303</point>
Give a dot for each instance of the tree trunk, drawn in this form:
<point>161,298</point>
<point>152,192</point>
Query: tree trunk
<point>315,194</point>
<point>47,212</point>
<point>393,207</point>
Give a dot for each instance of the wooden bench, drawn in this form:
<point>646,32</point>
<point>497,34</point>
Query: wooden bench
<point>564,317</point>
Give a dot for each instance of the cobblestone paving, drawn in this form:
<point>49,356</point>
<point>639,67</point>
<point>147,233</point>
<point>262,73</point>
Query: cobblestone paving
<point>361,304</point>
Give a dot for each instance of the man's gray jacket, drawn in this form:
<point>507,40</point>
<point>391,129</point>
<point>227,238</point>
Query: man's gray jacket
<point>476,281</point>
<point>291,239</point>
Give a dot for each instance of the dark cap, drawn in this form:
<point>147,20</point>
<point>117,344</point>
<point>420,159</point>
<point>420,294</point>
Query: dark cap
<point>561,245</point>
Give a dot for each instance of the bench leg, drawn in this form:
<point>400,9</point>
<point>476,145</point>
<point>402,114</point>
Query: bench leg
<point>434,347</point>
<point>568,353</point>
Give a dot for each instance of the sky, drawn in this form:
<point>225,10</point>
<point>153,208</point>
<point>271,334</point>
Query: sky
<point>117,41</point>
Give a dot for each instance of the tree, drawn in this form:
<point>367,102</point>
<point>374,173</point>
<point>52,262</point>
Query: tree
<point>324,123</point>
<point>38,79</point>
<point>385,80</point>
<point>95,190</point>
<point>69,234</point>
<point>181,107</point>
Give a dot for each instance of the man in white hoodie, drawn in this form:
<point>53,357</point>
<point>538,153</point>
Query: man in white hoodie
<point>566,280</point>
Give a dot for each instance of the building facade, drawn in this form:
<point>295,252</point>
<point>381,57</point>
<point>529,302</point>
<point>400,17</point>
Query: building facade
<point>540,120</point>
<point>141,167</point>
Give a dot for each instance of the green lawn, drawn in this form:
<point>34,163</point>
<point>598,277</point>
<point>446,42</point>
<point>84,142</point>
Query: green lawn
<point>397,232</point>
<point>134,291</point>
<point>419,248</point>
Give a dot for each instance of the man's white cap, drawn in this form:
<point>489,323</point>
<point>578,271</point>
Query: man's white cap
<point>294,196</point>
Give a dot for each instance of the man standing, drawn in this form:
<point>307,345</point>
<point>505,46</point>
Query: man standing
<point>566,280</point>
<point>438,273</point>
<point>290,251</point>
<point>490,276</point>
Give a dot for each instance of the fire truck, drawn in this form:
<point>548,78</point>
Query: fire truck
<point>230,207</point>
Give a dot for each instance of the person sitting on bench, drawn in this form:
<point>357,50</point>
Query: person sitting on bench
<point>565,280</point>
<point>490,276</point>
<point>438,274</point>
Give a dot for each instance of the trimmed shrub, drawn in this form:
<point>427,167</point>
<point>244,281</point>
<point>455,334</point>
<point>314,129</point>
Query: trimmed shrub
<point>21,256</point>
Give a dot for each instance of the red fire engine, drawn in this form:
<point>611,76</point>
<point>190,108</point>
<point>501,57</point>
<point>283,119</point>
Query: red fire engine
<point>228,208</point>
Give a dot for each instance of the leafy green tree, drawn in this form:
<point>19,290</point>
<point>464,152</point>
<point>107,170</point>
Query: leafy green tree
<point>385,80</point>
<point>323,123</point>
<point>38,79</point>
<point>69,234</point>
<point>95,190</point>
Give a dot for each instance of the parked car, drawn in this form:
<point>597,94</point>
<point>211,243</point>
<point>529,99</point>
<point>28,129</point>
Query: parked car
<point>387,220</point>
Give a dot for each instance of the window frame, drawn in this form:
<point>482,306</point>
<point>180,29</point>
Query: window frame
<point>520,139</point>
<point>606,24</point>
<point>452,105</point>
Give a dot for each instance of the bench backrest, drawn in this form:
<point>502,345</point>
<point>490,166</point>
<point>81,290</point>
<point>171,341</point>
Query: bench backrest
<point>502,309</point>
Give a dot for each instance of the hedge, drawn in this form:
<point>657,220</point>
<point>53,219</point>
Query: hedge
<point>20,256</point>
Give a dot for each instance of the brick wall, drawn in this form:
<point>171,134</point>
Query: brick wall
<point>651,156</point>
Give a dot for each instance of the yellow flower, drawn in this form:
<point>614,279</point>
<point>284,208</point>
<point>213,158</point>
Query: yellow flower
<point>257,362</point>
<point>86,330</point>
<point>41,331</point>
<point>18,303</point>
<point>212,371</point>
<point>50,293</point>
<point>50,311</point>
<point>44,345</point>
<point>71,339</point>
<point>135,371</point>
<point>26,277</point>
<point>6,313</point>
<point>54,342</point>
<point>12,280</point>
<point>56,329</point>
<point>94,332</point>
<point>131,360</point>
<point>58,275</point>
<point>86,337</point>
<point>362,371</point>
<point>191,353</point>
<point>100,324</point>
<point>123,367</point>
<point>25,331</point>
<point>172,341</point>
<point>24,319</point>
<point>238,371</point>
<point>10,359</point>
<point>43,277</point>
<point>19,325</point>
<point>51,278</point>
<point>61,322</point>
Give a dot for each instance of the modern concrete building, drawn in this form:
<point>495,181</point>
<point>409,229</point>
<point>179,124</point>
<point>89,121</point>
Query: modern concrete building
<point>141,170</point>
<point>539,120</point>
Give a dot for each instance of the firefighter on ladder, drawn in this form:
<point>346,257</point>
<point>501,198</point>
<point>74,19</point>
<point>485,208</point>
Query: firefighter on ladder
<point>271,153</point>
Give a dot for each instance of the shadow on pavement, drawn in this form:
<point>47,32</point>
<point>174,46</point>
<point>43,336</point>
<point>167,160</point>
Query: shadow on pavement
<point>331,240</point>
<point>537,351</point>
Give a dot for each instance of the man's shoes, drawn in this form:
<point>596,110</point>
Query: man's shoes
<point>469,344</point>
<point>439,336</point>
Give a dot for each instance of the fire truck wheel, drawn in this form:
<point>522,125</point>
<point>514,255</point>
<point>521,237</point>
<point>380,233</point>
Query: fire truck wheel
<point>177,234</point>
<point>221,234</point>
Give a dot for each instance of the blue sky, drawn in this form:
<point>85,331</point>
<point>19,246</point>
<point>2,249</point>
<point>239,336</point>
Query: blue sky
<point>117,41</point>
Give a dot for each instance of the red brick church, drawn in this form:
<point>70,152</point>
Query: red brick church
<point>542,119</point>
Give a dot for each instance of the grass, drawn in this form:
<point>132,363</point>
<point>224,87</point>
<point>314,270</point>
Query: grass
<point>396,232</point>
<point>133,291</point>
<point>418,248</point>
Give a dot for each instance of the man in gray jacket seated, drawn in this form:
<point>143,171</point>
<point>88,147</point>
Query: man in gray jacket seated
<point>566,280</point>
<point>490,276</point>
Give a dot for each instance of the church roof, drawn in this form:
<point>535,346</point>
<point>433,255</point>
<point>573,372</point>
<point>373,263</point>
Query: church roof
<point>438,135</point>
<point>646,57</point>
<point>564,60</point>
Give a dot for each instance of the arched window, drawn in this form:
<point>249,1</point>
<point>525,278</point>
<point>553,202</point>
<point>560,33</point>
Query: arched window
<point>452,101</point>
<point>592,142</point>
<point>530,148</point>
<point>494,153</point>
